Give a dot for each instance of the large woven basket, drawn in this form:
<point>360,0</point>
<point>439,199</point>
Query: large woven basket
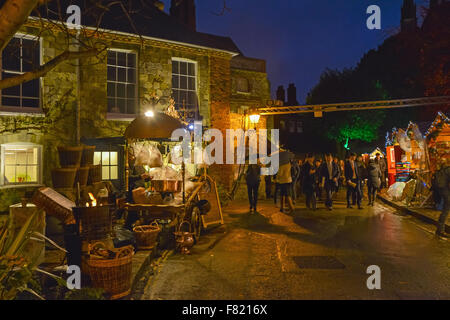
<point>111,275</point>
<point>81,176</point>
<point>70,156</point>
<point>95,223</point>
<point>63,177</point>
<point>95,174</point>
<point>146,236</point>
<point>54,204</point>
<point>87,157</point>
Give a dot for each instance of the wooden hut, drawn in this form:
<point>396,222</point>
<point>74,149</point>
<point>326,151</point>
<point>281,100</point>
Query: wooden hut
<point>438,140</point>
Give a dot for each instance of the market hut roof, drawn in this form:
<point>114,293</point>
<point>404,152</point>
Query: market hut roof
<point>159,126</point>
<point>440,122</point>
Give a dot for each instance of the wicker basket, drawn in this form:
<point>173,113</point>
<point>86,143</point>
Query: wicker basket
<point>63,177</point>
<point>70,157</point>
<point>81,176</point>
<point>54,204</point>
<point>87,157</point>
<point>112,275</point>
<point>95,174</point>
<point>146,236</point>
<point>95,223</point>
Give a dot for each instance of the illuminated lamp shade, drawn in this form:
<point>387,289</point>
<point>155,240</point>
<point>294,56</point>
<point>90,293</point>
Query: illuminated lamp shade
<point>149,113</point>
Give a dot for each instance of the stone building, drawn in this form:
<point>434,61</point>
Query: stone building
<point>159,55</point>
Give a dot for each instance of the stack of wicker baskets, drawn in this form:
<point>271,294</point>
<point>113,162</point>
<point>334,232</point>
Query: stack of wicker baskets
<point>77,166</point>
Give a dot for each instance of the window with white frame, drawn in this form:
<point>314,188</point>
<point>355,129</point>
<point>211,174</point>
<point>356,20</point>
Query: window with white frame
<point>122,82</point>
<point>22,54</point>
<point>184,86</point>
<point>21,164</point>
<point>109,162</point>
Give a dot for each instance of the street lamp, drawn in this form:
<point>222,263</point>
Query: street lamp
<point>254,116</point>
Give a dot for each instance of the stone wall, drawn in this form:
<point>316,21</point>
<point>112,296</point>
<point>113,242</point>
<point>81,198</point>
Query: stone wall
<point>219,102</point>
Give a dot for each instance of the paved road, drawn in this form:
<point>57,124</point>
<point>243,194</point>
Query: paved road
<point>255,257</point>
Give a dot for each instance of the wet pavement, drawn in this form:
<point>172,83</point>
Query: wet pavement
<point>308,255</point>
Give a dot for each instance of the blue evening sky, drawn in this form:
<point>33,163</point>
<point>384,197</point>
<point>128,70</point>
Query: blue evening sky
<point>300,38</point>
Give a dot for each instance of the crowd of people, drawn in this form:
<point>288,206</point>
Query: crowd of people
<point>319,179</point>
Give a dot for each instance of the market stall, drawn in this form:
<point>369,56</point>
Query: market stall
<point>438,140</point>
<point>171,192</point>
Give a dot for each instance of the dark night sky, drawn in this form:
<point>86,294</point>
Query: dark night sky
<point>299,38</point>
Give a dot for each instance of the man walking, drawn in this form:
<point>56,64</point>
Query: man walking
<point>253,178</point>
<point>353,181</point>
<point>309,181</point>
<point>382,165</point>
<point>329,172</point>
<point>373,181</point>
<point>268,182</point>
<point>284,178</point>
<point>443,187</point>
<point>295,173</point>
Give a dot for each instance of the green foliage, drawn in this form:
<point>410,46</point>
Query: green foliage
<point>16,273</point>
<point>9,197</point>
<point>356,126</point>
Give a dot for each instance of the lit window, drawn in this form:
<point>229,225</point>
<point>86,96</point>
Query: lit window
<point>184,87</point>
<point>122,82</point>
<point>22,54</point>
<point>21,164</point>
<point>110,166</point>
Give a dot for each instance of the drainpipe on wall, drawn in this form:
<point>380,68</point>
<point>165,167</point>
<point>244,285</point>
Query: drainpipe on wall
<point>78,107</point>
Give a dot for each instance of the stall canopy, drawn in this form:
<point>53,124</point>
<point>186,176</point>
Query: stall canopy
<point>157,126</point>
<point>374,153</point>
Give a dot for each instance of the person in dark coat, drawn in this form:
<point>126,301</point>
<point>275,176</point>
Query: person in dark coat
<point>318,164</point>
<point>373,181</point>
<point>353,179</point>
<point>268,181</point>
<point>309,182</point>
<point>362,173</point>
<point>295,174</point>
<point>253,178</point>
<point>382,165</point>
<point>329,172</point>
<point>442,184</point>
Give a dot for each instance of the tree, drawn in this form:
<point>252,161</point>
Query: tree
<point>86,41</point>
<point>405,65</point>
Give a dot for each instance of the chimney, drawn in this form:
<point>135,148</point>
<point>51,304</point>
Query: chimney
<point>281,94</point>
<point>184,12</point>
<point>292,95</point>
<point>409,16</point>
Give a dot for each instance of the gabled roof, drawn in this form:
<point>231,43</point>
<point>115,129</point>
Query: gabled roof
<point>139,17</point>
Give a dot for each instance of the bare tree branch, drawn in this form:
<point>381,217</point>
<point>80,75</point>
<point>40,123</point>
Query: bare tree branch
<point>13,15</point>
<point>45,68</point>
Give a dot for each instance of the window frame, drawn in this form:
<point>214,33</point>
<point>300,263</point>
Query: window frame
<point>109,166</point>
<point>14,110</point>
<point>247,93</point>
<point>123,116</point>
<point>197,79</point>
<point>39,164</point>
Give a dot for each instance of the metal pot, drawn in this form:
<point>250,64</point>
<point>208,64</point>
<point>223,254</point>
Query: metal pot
<point>184,240</point>
<point>166,185</point>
